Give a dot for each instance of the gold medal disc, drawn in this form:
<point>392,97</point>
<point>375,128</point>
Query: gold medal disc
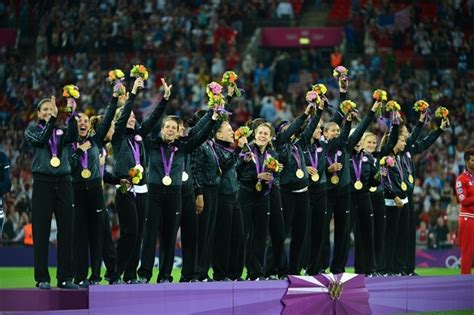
<point>86,173</point>
<point>55,162</point>
<point>166,180</point>
<point>299,173</point>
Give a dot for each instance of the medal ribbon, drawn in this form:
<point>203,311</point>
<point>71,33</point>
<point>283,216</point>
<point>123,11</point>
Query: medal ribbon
<point>53,142</point>
<point>296,155</point>
<point>399,167</point>
<point>314,160</point>
<point>136,151</point>
<point>167,164</point>
<point>357,168</point>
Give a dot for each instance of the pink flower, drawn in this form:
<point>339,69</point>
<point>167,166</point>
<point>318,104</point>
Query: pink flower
<point>390,161</point>
<point>311,96</point>
<point>215,87</point>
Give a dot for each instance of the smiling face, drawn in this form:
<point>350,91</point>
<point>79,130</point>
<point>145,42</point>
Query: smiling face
<point>263,135</point>
<point>131,121</point>
<point>225,133</point>
<point>169,130</point>
<point>318,131</point>
<point>331,131</point>
<point>369,143</point>
<point>84,125</point>
<point>401,143</point>
<point>45,111</point>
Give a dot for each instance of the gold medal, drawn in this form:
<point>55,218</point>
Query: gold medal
<point>315,177</point>
<point>373,189</point>
<point>299,173</point>
<point>335,179</point>
<point>258,186</point>
<point>86,173</point>
<point>166,180</point>
<point>404,186</point>
<point>358,185</point>
<point>185,177</point>
<point>55,162</point>
<point>411,179</point>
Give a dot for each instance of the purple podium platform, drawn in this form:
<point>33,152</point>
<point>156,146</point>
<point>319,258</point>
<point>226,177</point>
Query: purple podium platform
<point>386,296</point>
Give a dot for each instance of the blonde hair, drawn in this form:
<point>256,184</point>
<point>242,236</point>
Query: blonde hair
<point>268,125</point>
<point>328,125</point>
<point>368,134</point>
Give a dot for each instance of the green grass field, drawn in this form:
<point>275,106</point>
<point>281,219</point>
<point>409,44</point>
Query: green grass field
<point>22,277</point>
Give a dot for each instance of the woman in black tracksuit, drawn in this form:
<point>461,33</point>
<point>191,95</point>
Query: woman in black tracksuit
<point>167,154</point>
<point>189,216</point>
<point>369,144</point>
<point>339,201</point>
<point>228,252</point>
<point>128,150</point>
<point>52,192</point>
<point>277,267</point>
<point>294,193</point>
<point>88,195</point>
<point>396,202</point>
<point>315,157</point>
<point>207,171</point>
<point>413,148</point>
<point>364,175</point>
<point>254,189</point>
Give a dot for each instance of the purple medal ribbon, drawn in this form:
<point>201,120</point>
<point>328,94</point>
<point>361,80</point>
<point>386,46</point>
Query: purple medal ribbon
<point>136,151</point>
<point>84,158</point>
<point>399,167</point>
<point>357,168</point>
<point>167,164</point>
<point>335,159</point>
<point>295,153</point>
<point>257,161</point>
<point>53,142</point>
<point>260,169</point>
<point>314,160</point>
<point>407,165</point>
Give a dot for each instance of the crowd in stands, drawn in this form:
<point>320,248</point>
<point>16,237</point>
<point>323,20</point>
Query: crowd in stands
<point>193,42</point>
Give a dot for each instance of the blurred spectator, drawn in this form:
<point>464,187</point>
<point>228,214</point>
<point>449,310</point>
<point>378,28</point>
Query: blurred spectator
<point>453,215</point>
<point>422,236</point>
<point>438,236</point>
<point>284,9</point>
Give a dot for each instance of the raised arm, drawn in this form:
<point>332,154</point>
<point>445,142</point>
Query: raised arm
<point>201,123</point>
<point>392,141</point>
<point>149,124</point>
<point>415,133</point>
<point>285,136</point>
<point>362,127</point>
<point>202,135</point>
<point>355,137</point>
<point>104,126</point>
<point>309,130</point>
<point>72,133</point>
<point>423,144</point>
